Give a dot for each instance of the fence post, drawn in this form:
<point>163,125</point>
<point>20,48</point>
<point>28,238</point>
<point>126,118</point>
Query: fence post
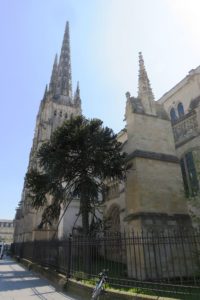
<point>69,256</point>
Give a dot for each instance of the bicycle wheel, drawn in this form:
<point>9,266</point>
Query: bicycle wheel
<point>96,293</point>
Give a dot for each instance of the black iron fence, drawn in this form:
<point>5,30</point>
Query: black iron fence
<point>167,262</point>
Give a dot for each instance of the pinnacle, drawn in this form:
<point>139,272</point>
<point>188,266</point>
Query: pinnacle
<point>56,59</point>
<point>144,88</point>
<point>54,74</point>
<point>64,80</point>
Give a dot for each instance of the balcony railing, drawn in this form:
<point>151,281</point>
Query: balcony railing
<point>185,128</point>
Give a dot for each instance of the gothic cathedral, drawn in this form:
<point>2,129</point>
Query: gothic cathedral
<point>161,138</point>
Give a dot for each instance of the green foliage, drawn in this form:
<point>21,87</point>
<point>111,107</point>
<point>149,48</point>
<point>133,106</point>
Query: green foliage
<point>79,275</point>
<point>75,163</point>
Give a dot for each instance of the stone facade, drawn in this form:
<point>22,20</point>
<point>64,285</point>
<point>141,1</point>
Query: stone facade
<point>182,104</point>
<point>152,198</point>
<point>6,231</point>
<point>161,142</point>
<point>157,137</point>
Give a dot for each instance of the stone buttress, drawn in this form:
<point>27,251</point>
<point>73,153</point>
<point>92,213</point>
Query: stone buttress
<point>154,188</point>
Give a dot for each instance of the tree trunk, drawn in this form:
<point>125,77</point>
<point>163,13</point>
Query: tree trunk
<point>84,206</point>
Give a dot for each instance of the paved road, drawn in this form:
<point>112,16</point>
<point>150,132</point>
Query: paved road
<point>17,283</point>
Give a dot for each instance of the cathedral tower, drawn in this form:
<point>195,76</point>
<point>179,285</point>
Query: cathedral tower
<point>154,198</point>
<point>58,104</point>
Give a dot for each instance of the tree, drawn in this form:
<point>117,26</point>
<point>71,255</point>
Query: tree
<point>77,160</point>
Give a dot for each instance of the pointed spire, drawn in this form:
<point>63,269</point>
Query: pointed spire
<point>64,82</point>
<point>54,76</point>
<point>77,99</point>
<point>144,88</point>
<point>77,93</point>
<point>45,92</point>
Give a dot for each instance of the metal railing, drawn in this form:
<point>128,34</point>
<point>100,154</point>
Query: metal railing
<point>166,262</point>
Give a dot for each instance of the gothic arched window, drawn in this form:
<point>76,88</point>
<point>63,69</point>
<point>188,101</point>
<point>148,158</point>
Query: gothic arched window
<point>173,115</point>
<point>190,175</point>
<point>180,110</point>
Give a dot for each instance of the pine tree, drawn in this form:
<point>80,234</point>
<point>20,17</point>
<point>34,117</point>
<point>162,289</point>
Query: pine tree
<point>80,156</point>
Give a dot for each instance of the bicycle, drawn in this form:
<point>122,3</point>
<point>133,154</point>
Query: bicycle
<point>99,288</point>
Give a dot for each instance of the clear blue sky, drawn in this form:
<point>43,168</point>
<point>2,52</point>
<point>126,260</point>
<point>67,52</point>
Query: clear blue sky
<point>106,36</point>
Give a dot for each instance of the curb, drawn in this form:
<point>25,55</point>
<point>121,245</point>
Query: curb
<point>78,289</point>
<point>84,290</point>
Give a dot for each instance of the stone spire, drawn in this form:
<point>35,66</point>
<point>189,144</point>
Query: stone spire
<point>54,76</point>
<point>77,93</point>
<point>64,81</point>
<point>144,89</point>
<point>45,92</point>
<point>77,98</point>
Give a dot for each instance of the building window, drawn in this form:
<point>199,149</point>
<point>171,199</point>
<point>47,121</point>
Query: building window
<point>173,115</point>
<point>180,110</point>
<point>190,179</point>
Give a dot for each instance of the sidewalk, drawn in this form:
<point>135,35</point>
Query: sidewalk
<point>17,283</point>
